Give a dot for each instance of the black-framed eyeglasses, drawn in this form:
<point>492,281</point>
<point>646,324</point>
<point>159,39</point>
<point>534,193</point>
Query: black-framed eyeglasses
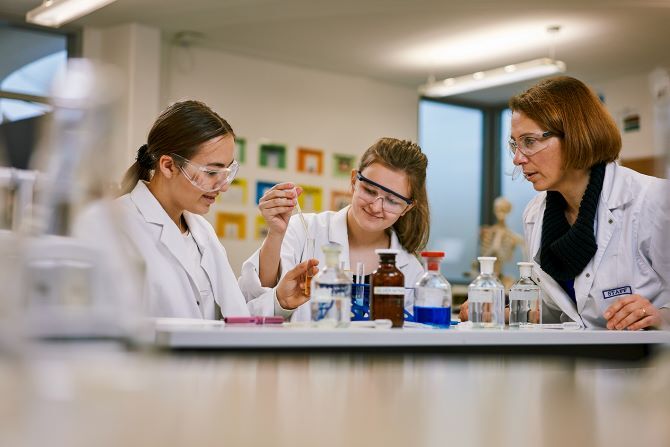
<point>529,144</point>
<point>370,191</point>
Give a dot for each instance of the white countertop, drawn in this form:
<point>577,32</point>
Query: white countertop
<point>210,335</point>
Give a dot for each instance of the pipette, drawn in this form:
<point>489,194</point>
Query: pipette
<point>302,218</point>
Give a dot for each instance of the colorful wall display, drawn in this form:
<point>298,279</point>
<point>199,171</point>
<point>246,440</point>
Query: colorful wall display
<point>237,193</point>
<point>311,199</point>
<point>339,200</point>
<point>261,188</point>
<point>310,160</point>
<point>240,150</point>
<point>272,156</point>
<point>231,225</point>
<point>260,228</point>
<point>343,164</point>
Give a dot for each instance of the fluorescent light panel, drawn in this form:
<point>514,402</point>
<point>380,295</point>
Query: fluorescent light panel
<point>54,13</point>
<point>508,74</point>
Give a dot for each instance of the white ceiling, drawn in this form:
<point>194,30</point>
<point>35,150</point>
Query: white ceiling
<point>405,41</point>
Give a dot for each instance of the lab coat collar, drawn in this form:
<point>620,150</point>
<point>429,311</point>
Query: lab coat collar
<point>616,194</point>
<point>148,205</point>
<point>613,194</point>
<point>338,233</point>
<point>338,228</point>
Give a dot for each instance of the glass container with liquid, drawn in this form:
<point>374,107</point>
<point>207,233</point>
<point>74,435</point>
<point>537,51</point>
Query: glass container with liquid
<point>486,297</point>
<point>387,285</point>
<point>525,303</point>
<point>432,293</point>
<point>330,300</point>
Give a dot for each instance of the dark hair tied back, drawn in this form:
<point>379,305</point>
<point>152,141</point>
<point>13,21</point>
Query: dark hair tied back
<point>144,158</point>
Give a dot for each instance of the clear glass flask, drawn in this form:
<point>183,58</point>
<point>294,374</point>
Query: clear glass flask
<point>486,297</point>
<point>432,293</point>
<point>330,300</point>
<point>525,303</point>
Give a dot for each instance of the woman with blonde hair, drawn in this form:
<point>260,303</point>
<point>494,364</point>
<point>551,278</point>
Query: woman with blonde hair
<point>389,209</point>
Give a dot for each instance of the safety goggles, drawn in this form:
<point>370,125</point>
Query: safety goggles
<point>529,144</point>
<point>203,177</point>
<point>369,191</point>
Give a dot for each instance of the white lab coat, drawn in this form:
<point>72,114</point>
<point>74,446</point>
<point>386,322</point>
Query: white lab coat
<point>169,289</point>
<point>325,227</point>
<point>632,227</point>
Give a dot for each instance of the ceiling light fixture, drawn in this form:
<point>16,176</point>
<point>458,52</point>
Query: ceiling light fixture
<point>54,13</point>
<point>509,74</point>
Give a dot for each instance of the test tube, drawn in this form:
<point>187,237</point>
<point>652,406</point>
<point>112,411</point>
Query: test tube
<point>310,243</point>
<point>359,291</point>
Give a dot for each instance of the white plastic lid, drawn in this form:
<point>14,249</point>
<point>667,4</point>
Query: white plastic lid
<point>486,264</point>
<point>332,252</point>
<point>386,251</point>
<point>525,269</point>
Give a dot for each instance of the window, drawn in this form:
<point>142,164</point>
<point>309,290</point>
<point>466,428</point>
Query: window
<point>30,57</point>
<point>451,136</point>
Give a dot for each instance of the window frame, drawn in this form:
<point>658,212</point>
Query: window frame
<point>73,48</point>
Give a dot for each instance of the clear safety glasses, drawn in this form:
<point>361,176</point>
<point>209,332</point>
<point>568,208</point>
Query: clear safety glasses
<point>370,191</point>
<point>205,178</point>
<point>529,144</point>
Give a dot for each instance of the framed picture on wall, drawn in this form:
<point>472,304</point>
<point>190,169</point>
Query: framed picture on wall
<point>272,156</point>
<point>310,160</point>
<point>236,194</point>
<point>343,164</point>
<point>260,228</point>
<point>339,200</point>
<point>261,188</point>
<point>311,199</point>
<point>231,225</point>
<point>240,150</point>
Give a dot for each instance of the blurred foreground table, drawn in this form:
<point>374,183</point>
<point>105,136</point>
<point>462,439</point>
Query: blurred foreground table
<point>63,394</point>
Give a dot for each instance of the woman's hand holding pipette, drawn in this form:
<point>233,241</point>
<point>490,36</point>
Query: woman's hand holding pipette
<point>277,205</point>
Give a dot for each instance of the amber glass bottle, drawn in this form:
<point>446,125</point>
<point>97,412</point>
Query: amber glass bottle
<point>387,286</point>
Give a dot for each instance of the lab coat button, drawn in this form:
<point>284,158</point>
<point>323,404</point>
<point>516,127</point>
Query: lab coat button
<point>611,221</point>
<point>588,275</point>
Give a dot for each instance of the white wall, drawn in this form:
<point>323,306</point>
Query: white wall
<point>631,94</point>
<point>136,51</point>
<point>266,101</point>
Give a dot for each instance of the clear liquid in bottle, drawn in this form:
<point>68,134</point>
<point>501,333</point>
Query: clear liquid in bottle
<point>525,303</point>
<point>486,297</point>
<point>330,301</point>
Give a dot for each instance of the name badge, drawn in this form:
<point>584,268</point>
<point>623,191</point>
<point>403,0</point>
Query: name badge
<point>611,293</point>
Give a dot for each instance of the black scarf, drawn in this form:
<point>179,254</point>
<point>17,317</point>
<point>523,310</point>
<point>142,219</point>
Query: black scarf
<point>565,250</point>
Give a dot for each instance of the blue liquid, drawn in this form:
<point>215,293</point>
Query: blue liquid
<point>436,316</point>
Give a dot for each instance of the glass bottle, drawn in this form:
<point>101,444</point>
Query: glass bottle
<point>486,297</point>
<point>331,291</point>
<point>432,293</point>
<point>525,305</point>
<point>387,285</point>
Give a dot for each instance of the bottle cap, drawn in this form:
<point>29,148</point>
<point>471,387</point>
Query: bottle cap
<point>332,252</point>
<point>432,254</point>
<point>332,247</point>
<point>525,269</point>
<point>386,251</point>
<point>486,264</point>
